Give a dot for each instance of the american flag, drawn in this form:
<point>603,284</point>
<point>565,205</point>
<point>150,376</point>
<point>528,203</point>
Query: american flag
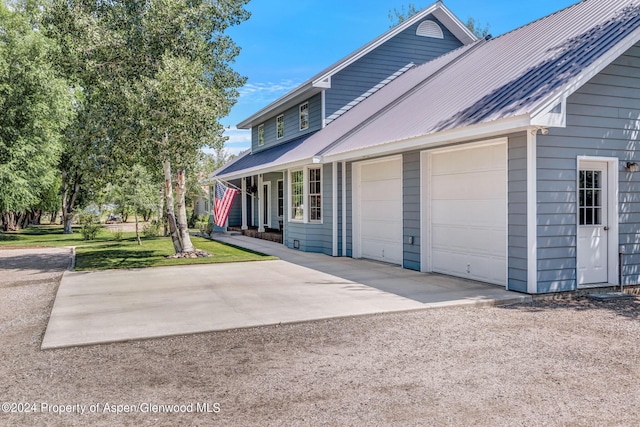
<point>223,200</point>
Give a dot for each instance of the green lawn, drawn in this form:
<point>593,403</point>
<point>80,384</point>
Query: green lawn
<point>106,253</point>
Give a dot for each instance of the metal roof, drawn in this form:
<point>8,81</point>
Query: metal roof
<point>508,76</point>
<point>518,74</point>
<point>287,153</point>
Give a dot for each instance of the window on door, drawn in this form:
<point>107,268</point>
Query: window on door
<point>590,197</point>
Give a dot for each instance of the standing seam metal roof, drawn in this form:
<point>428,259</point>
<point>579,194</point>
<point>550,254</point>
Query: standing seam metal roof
<point>508,76</point>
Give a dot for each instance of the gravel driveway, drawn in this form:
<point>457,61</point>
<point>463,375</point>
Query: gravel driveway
<point>563,362</point>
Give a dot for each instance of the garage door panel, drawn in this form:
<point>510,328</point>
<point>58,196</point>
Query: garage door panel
<point>381,251</point>
<point>484,212</point>
<point>474,267</point>
<point>467,196</point>
<point>380,190</point>
<point>469,240</point>
<point>382,210</point>
<point>382,230</point>
<point>380,171</point>
<point>457,186</point>
<point>470,159</point>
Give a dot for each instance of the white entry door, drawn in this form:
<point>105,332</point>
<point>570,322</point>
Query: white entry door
<point>592,223</point>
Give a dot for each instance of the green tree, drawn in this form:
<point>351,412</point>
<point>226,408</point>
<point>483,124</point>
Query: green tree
<point>156,77</point>
<point>397,16</point>
<point>87,56</point>
<point>180,90</point>
<point>135,190</point>
<point>35,107</point>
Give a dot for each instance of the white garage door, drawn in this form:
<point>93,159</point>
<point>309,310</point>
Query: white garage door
<point>378,209</point>
<point>468,209</point>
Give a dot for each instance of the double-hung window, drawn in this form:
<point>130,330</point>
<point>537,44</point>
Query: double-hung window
<point>297,195</point>
<point>306,190</point>
<point>261,135</point>
<point>280,126</point>
<point>315,194</point>
<point>304,116</point>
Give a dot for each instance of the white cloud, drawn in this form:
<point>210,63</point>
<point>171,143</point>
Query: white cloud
<point>238,140</point>
<point>259,92</point>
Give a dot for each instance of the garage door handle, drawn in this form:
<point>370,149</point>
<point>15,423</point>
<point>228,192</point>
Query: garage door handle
<point>606,228</point>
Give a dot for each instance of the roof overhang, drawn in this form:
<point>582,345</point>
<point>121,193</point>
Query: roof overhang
<point>452,136</point>
<point>279,167</point>
<point>292,99</point>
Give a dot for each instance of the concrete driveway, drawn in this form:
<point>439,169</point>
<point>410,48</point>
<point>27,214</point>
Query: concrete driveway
<point>121,305</point>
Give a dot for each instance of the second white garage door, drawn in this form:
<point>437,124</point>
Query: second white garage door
<point>378,210</point>
<point>467,216</point>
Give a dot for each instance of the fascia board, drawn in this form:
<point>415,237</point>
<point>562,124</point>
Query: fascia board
<point>273,168</point>
<point>484,130</point>
<point>305,91</point>
<point>454,25</point>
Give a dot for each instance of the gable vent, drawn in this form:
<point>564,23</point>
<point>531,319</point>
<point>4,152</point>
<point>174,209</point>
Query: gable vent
<point>429,29</point>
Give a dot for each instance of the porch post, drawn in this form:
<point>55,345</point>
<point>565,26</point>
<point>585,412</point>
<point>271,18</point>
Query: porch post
<point>334,206</point>
<point>244,203</point>
<point>344,208</point>
<point>260,205</point>
<point>532,213</point>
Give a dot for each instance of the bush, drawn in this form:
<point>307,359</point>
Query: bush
<point>90,225</point>
<point>203,225</point>
<point>152,229</point>
<point>118,234</point>
<point>192,218</point>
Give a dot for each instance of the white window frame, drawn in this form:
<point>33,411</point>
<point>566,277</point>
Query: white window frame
<point>290,195</point>
<point>306,197</point>
<point>279,119</point>
<point>261,135</point>
<point>309,194</point>
<point>303,111</point>
<point>281,198</point>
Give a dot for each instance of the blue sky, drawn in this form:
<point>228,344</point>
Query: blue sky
<point>285,42</point>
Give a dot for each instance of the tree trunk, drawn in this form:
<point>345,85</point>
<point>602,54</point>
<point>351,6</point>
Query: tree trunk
<point>69,201</point>
<point>54,215</point>
<point>137,232</point>
<point>183,227</point>
<point>9,221</point>
<point>170,212</point>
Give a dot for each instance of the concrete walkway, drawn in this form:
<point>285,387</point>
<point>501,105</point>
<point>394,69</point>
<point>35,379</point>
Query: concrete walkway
<point>121,305</point>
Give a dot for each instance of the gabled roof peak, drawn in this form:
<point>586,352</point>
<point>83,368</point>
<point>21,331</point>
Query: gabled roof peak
<point>323,79</point>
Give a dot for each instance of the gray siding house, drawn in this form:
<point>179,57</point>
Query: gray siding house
<point>510,160</point>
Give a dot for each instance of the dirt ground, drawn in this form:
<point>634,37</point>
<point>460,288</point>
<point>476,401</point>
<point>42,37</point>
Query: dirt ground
<point>562,362</point>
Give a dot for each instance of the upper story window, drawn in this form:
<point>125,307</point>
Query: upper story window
<point>430,29</point>
<point>304,116</point>
<point>261,135</point>
<point>280,126</point>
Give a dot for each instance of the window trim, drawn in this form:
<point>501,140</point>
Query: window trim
<point>260,135</point>
<point>300,115</point>
<point>309,194</point>
<point>290,196</point>
<point>306,199</point>
<point>281,199</point>
<point>278,119</point>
